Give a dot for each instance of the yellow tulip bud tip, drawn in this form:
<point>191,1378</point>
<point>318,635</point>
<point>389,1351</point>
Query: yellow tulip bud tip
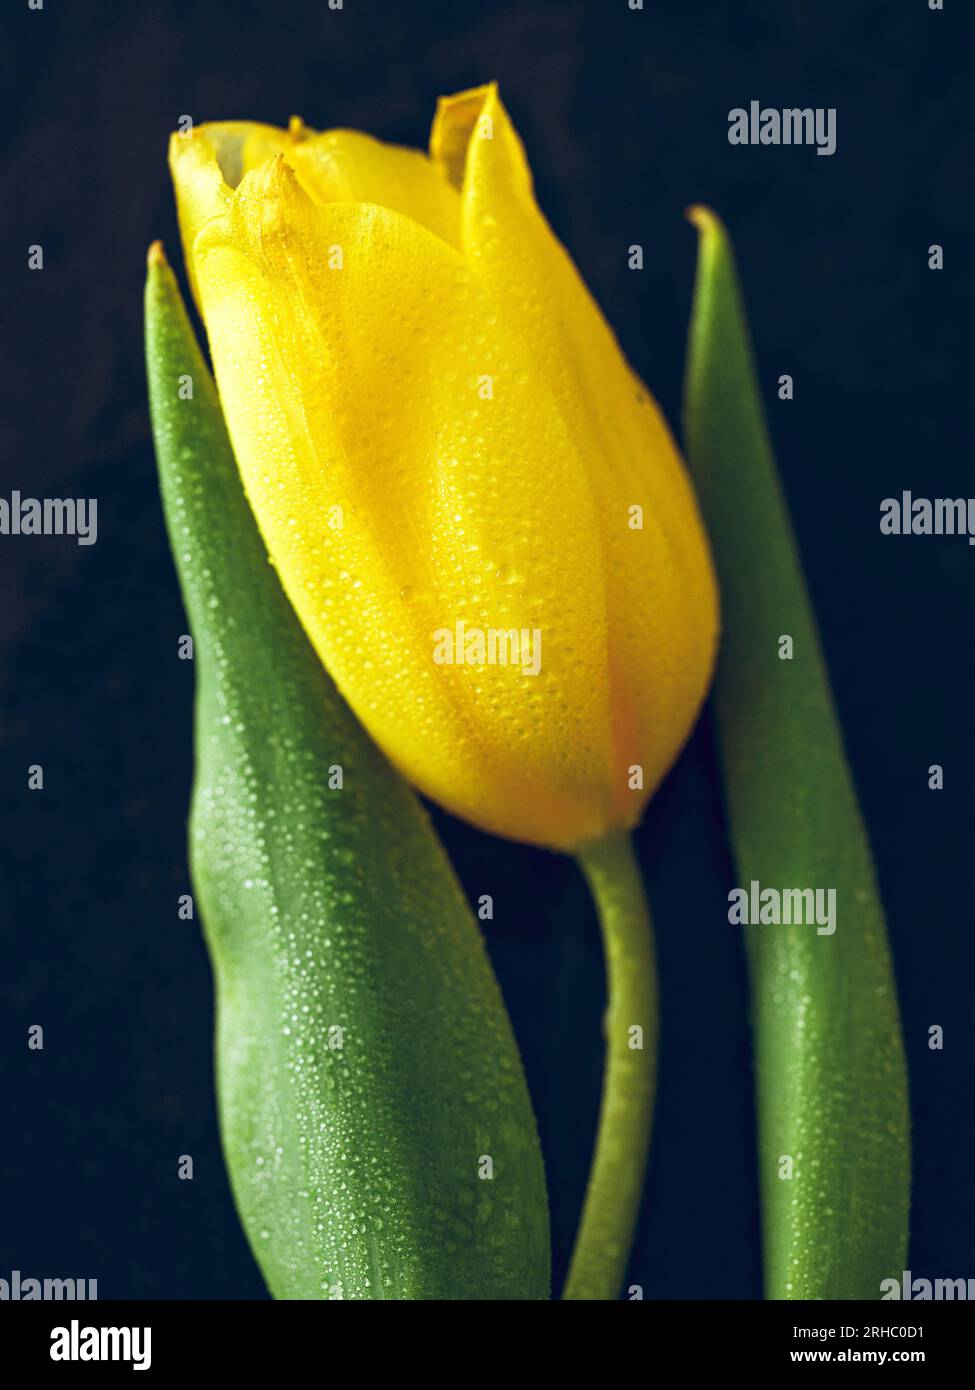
<point>156,256</point>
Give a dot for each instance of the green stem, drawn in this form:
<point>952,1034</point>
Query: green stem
<point>623,1140</point>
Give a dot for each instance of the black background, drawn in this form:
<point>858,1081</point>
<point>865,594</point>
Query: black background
<point>624,115</point>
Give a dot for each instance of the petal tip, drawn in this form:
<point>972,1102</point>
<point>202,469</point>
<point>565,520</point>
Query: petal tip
<point>272,177</point>
<point>455,122</point>
<point>704,219</point>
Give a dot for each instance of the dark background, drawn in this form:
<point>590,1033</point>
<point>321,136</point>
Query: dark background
<point>625,119</point>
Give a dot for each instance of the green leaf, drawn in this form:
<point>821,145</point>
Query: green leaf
<point>832,1086</point>
<point>367,1074</point>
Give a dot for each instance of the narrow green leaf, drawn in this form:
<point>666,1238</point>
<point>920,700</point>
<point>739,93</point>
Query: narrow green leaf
<point>368,1078</point>
<point>832,1086</point>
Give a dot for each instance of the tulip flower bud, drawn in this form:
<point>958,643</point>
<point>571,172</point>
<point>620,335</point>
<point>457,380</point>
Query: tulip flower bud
<point>475,507</point>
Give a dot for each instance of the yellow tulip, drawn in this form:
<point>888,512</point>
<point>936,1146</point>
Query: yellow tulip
<point>443,444</point>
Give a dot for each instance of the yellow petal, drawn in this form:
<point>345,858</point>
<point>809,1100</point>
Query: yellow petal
<point>457,121</point>
<point>364,389</point>
<point>333,166</point>
<point>662,603</point>
<point>207,163</point>
<point>344,166</point>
